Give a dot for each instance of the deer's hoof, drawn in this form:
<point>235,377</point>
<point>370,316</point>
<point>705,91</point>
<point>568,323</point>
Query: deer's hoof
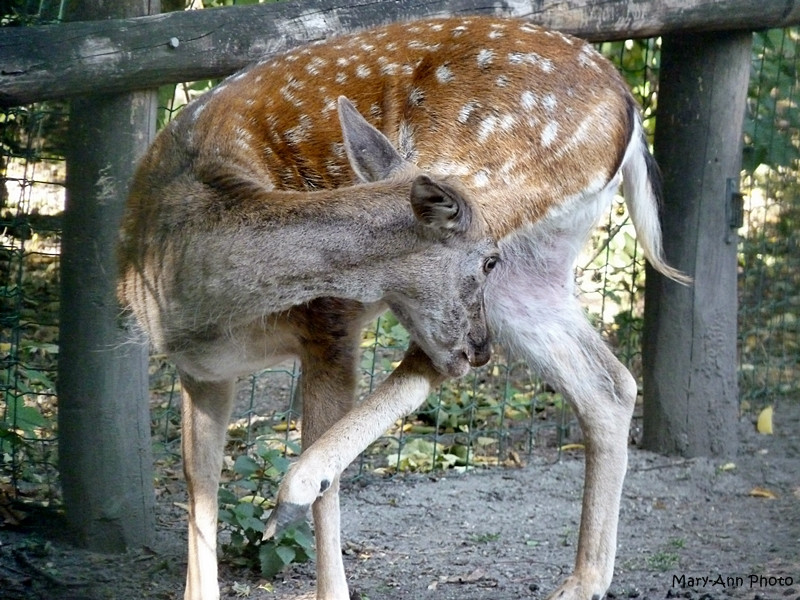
<point>283,516</point>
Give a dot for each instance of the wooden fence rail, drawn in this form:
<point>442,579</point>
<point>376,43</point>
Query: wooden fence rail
<point>76,58</point>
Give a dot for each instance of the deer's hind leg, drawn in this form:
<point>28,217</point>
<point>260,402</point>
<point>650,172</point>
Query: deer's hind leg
<point>533,311</point>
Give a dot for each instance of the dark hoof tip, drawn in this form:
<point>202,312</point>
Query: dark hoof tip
<point>354,595</point>
<point>324,485</point>
<point>282,517</point>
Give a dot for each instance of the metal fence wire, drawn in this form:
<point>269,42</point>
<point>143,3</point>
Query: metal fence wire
<point>498,415</point>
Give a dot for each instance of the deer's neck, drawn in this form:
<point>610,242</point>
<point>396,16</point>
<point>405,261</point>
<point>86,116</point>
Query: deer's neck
<point>297,246</point>
<point>355,247</point>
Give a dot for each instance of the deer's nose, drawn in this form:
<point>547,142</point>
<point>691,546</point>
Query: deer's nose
<point>480,352</point>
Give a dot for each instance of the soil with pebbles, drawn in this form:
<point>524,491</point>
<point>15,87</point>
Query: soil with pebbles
<point>689,529</point>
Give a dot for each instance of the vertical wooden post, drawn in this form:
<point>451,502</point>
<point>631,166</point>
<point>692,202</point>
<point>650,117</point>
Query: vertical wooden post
<point>690,381</point>
<point>105,456</point>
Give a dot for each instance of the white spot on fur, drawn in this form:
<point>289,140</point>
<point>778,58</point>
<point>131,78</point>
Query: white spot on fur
<point>445,167</point>
<point>416,96</point>
<point>387,68</point>
<point>316,65</point>
<point>586,58</point>
<point>530,58</point>
<point>549,133</point>
<point>287,91</point>
<point>528,100</point>
<point>342,61</point>
<point>338,150</point>
<point>363,71</point>
<point>436,26</point>
<point>485,58</point>
<point>341,77</point>
<point>243,138</point>
<point>300,132</point>
<point>487,127</point>
<point>334,169</point>
<point>565,38</point>
<point>418,45</point>
<point>444,74</point>
<point>405,142</point>
<point>329,106</point>
<point>508,166</point>
<point>507,122</point>
<point>481,179</point>
<point>501,81</point>
<point>466,111</point>
<point>198,109</point>
<point>549,102</point>
<point>459,31</point>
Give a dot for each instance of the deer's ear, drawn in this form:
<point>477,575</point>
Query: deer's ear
<point>440,206</point>
<point>371,154</point>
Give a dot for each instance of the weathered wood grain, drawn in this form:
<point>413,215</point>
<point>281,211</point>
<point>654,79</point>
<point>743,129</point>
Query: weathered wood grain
<point>691,402</point>
<point>104,445</point>
<point>38,63</point>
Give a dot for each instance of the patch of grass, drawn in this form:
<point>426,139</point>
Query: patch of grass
<point>662,561</point>
<point>484,538</point>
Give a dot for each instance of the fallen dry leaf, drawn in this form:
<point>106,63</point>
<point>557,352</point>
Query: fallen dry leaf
<point>760,492</point>
<point>764,423</point>
<point>568,447</point>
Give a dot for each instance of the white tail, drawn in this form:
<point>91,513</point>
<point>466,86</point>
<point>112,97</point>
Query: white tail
<point>642,183</point>
<point>538,128</point>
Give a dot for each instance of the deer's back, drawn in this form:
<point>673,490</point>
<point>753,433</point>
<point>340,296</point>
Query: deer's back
<point>525,116</point>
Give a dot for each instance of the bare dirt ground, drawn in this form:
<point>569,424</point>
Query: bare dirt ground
<point>496,534</point>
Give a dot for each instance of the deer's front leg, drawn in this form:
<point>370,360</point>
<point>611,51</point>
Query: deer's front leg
<point>320,465</point>
<point>204,420</point>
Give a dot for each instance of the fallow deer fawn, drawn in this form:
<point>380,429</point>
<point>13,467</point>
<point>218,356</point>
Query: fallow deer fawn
<point>539,129</point>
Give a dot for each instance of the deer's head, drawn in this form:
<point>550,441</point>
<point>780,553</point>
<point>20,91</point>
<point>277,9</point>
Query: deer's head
<point>436,291</point>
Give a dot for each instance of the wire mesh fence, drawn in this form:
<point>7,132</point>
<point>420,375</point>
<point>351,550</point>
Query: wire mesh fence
<point>31,200</point>
<point>499,414</point>
<point>769,256</point>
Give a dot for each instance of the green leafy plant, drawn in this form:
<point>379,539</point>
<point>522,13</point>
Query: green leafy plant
<point>244,503</point>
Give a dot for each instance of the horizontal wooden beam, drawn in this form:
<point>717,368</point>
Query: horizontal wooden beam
<point>69,59</point>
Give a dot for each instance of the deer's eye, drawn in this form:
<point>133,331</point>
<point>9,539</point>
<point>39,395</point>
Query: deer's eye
<point>490,263</point>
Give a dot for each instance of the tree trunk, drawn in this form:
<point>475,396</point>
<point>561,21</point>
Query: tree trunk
<point>105,454</point>
<point>690,379</point>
